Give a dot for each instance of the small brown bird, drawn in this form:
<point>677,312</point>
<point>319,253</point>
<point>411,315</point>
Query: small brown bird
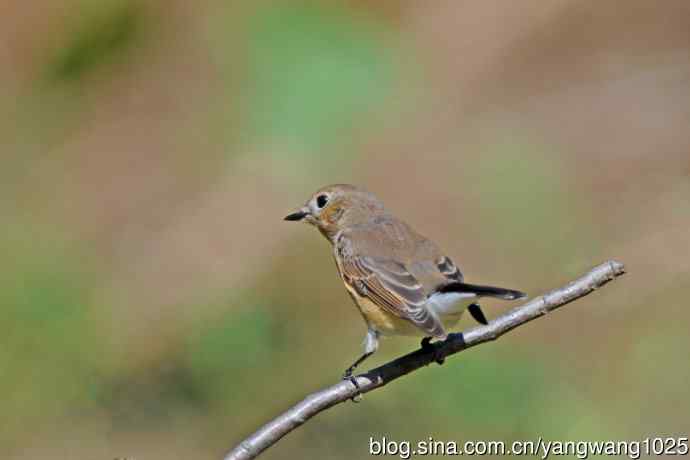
<point>401,281</point>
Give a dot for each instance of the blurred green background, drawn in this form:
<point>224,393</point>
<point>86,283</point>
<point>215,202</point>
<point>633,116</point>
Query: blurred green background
<point>155,305</point>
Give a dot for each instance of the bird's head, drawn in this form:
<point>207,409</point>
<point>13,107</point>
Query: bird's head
<point>337,207</point>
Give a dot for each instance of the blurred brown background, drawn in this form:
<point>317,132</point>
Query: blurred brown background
<point>155,306</point>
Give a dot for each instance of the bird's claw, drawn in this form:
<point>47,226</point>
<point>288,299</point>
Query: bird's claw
<point>348,376</point>
<point>429,348</point>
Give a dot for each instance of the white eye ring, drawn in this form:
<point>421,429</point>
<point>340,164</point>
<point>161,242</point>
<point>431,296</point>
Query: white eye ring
<point>321,201</point>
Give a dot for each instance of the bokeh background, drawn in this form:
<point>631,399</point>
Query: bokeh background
<point>155,306</point>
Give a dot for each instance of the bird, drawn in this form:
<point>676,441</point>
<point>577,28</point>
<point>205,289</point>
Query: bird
<point>401,281</point>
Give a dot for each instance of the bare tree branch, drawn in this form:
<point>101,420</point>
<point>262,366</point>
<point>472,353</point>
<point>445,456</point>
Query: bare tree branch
<point>270,433</point>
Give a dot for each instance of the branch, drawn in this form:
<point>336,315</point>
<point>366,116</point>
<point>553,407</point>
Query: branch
<point>270,433</point>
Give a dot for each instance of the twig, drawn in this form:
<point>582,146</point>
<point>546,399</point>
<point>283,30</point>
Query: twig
<point>270,433</point>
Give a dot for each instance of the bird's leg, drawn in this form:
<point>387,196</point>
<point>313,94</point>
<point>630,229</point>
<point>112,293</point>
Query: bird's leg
<point>426,343</point>
<point>371,344</point>
<point>429,348</point>
<point>348,376</point>
<point>348,372</point>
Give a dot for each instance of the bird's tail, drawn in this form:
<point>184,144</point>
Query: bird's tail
<point>482,291</point>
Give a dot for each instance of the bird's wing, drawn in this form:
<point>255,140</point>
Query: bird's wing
<point>432,269</point>
<point>390,285</point>
<point>448,269</point>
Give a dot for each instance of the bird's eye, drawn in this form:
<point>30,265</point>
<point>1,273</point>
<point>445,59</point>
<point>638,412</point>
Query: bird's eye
<point>321,201</point>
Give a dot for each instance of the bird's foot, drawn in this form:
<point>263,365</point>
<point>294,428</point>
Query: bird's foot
<point>429,348</point>
<point>348,376</point>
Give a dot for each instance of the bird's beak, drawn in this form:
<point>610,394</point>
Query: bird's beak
<point>297,215</point>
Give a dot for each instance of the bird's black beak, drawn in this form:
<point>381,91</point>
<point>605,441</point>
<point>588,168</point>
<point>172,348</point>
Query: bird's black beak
<point>299,215</point>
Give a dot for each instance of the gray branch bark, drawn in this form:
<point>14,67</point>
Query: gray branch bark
<point>271,433</point>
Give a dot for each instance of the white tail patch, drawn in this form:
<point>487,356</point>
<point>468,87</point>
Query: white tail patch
<point>450,303</point>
